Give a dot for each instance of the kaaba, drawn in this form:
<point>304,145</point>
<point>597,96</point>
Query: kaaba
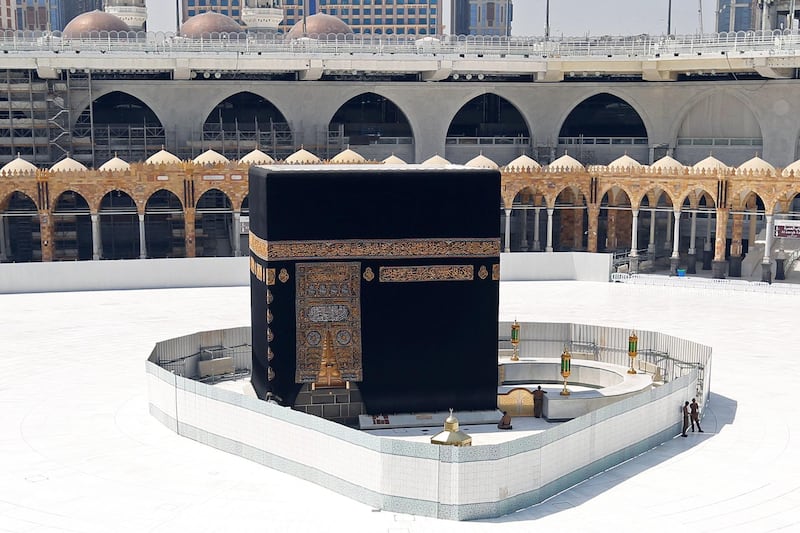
<point>378,278</point>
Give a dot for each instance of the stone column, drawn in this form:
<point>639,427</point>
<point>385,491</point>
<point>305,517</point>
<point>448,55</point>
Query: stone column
<point>507,247</point>
<point>668,237</point>
<point>142,241</point>
<point>675,259</point>
<point>537,246</point>
<point>237,241</point>
<point>633,263</point>
<point>707,253</point>
<point>523,242</point>
<point>594,222</point>
<point>691,266</point>
<point>46,231</point>
<point>651,244</point>
<point>719,264</point>
<point>188,226</point>
<point>611,229</point>
<point>3,256</point>
<point>96,244</point>
<point>735,267</point>
<point>549,247</point>
<point>766,265</point>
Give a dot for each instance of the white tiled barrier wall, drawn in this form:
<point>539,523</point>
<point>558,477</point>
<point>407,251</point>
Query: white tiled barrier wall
<point>413,477</point>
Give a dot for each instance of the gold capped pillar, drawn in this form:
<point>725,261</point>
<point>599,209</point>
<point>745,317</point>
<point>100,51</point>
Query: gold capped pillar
<point>515,340</point>
<point>633,345</point>
<point>566,368</point>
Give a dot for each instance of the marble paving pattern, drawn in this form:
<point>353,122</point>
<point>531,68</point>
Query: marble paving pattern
<point>79,451</point>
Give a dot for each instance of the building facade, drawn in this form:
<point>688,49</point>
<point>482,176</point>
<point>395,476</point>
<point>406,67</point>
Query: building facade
<point>372,17</point>
<point>39,15</point>
<point>8,16</point>
<point>755,15</point>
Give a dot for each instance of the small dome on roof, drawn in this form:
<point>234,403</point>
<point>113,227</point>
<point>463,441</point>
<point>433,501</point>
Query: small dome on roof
<point>204,24</point>
<point>303,157</point>
<point>319,24</point>
<point>18,166</point>
<point>162,157</point>
<point>115,164</point>
<point>93,22</point>
<point>256,157</point>
<point>667,163</point>
<point>793,169</point>
<point>624,161</point>
<point>755,164</point>
<point>566,162</point>
<point>393,160</point>
<point>523,162</point>
<point>348,156</point>
<point>435,161</point>
<point>481,161</point>
<point>710,163</point>
<point>67,165</point>
<point>210,157</point>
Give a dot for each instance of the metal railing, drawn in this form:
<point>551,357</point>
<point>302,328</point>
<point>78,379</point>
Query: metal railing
<point>768,43</point>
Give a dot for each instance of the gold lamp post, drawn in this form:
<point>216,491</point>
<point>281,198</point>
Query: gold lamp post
<point>515,340</point>
<point>566,366</point>
<point>633,344</point>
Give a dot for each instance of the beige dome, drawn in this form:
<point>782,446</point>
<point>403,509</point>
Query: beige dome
<point>566,162</point>
<point>303,157</point>
<point>67,165</point>
<point>93,22</point>
<point>793,168</point>
<point>115,164</point>
<point>348,156</point>
<point>162,157</point>
<point>319,24</point>
<point>209,158</point>
<point>755,164</point>
<point>18,166</point>
<point>667,163</point>
<point>710,163</point>
<point>625,161</point>
<point>523,162</point>
<point>257,157</point>
<point>435,161</point>
<point>393,160</point>
<point>481,161</point>
<point>204,24</point>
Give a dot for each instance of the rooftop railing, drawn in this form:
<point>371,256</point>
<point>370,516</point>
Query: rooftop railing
<point>777,42</point>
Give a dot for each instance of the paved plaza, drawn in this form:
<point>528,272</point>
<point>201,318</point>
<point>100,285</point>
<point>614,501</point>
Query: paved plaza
<point>79,451</point>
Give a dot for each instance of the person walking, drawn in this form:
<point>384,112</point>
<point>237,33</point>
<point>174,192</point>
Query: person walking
<point>694,413</point>
<point>685,419</point>
<point>538,401</point>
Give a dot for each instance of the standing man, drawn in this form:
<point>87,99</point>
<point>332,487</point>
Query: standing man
<point>685,419</point>
<point>694,409</point>
<point>538,400</point>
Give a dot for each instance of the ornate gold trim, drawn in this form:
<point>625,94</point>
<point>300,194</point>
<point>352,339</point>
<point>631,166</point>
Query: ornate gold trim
<point>369,275</point>
<point>482,272</point>
<point>496,272</point>
<point>376,248</point>
<point>283,275</point>
<point>404,274</point>
<point>263,274</point>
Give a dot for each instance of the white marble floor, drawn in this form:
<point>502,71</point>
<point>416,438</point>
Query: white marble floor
<point>80,453</point>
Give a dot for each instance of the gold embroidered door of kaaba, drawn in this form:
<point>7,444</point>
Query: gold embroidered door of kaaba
<point>328,305</point>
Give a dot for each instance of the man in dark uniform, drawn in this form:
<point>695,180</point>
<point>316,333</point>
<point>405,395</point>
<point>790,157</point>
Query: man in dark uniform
<point>538,400</point>
<point>685,419</point>
<point>694,413</point>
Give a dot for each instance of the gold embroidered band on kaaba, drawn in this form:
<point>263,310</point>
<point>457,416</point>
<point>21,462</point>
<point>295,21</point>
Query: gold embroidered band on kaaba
<point>373,248</point>
<point>401,274</point>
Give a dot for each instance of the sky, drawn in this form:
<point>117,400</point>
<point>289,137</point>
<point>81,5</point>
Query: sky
<point>567,17</point>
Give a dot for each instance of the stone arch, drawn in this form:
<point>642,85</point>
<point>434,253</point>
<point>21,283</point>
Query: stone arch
<point>604,115</point>
<point>119,225</point>
<point>741,197</point>
<point>72,226</point>
<point>214,231</point>
<point>371,124</point>
<point>693,194</point>
<point>22,229</point>
<point>704,120</point>
<point>614,218</point>
<point>570,218</point>
<point>118,124</point>
<point>164,225</point>
<point>528,219</point>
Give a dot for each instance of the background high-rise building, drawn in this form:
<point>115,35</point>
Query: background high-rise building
<point>481,17</point>
<point>755,15</point>
<point>389,17</point>
<point>39,15</point>
<point>132,12</point>
<point>8,17</point>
